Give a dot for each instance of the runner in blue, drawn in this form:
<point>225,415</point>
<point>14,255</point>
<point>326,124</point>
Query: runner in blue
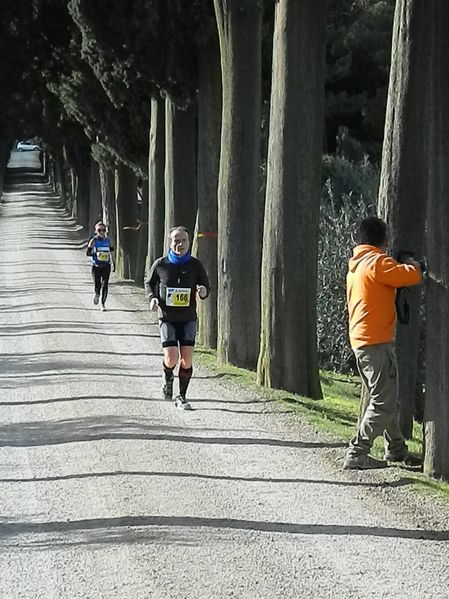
<point>99,249</point>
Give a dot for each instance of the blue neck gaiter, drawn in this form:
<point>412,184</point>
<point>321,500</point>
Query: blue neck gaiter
<point>179,260</point>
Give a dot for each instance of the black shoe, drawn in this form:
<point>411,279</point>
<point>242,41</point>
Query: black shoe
<point>167,389</point>
<point>408,459</point>
<point>362,462</point>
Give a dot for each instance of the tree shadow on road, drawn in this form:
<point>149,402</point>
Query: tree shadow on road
<point>24,331</point>
<point>96,377</point>
<point>168,529</point>
<point>201,476</point>
<point>78,430</point>
<point>135,398</point>
<point>14,366</point>
<point>51,308</point>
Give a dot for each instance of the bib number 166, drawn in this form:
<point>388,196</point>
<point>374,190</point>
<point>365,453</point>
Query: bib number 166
<point>178,297</point>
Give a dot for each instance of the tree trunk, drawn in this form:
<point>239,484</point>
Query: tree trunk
<point>436,461</point>
<point>403,185</point>
<point>209,127</point>
<point>78,157</point>
<point>288,350</point>
<point>5,148</point>
<point>239,252</point>
<point>107,182</point>
<point>72,193</point>
<point>126,216</point>
<point>95,207</point>
<point>180,167</point>
<point>156,219</point>
<point>82,197</point>
<point>60,179</point>
<point>142,238</point>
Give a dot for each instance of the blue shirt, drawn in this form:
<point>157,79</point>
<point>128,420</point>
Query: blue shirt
<point>101,251</point>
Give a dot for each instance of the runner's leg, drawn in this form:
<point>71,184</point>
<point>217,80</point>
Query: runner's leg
<point>187,343</point>
<point>106,273</point>
<point>96,276</point>
<point>171,356</point>
<point>185,368</point>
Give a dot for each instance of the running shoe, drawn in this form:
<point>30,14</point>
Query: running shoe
<point>167,389</point>
<point>96,298</point>
<point>103,308</point>
<point>181,403</point>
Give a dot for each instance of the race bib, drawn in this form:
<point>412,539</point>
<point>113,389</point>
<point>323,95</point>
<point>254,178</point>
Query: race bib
<point>178,297</point>
<point>103,254</point>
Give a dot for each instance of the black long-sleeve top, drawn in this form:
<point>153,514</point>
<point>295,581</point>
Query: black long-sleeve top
<point>175,287</point>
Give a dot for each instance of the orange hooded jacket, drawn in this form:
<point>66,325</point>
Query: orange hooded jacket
<point>371,284</point>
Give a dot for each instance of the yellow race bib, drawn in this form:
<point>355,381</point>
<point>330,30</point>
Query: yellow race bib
<point>178,297</point>
<point>103,254</point>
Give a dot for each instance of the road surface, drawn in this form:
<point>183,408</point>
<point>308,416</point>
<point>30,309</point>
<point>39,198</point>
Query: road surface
<point>107,491</point>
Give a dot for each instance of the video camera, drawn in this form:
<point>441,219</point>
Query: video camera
<point>404,255</point>
<point>401,301</point>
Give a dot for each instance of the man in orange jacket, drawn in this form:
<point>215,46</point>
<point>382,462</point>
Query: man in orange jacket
<point>372,280</point>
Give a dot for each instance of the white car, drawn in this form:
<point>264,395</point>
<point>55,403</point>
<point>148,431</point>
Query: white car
<point>28,146</point>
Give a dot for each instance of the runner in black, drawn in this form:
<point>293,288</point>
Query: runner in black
<point>172,284</point>
<point>99,249</point>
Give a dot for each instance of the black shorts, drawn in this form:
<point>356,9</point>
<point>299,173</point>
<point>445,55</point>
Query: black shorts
<point>174,333</point>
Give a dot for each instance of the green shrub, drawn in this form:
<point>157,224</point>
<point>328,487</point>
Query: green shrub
<point>349,194</point>
<point>344,178</point>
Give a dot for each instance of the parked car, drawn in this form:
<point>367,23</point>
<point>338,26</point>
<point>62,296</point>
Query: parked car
<point>28,146</point>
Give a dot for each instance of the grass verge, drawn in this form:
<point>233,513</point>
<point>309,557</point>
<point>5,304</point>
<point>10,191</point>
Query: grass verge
<point>335,414</point>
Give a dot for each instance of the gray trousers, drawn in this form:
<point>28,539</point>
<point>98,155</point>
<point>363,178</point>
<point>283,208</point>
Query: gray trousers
<point>378,370</point>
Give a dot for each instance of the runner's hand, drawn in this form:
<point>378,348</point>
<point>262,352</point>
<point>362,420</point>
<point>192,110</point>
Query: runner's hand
<point>202,291</point>
<point>154,304</point>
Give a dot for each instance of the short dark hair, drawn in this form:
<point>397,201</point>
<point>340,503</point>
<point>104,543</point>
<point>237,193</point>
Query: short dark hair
<point>373,231</point>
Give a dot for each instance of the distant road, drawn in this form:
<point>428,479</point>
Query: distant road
<point>24,160</point>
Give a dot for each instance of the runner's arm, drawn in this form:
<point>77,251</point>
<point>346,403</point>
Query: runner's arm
<point>151,282</point>
<point>203,282</point>
<point>112,253</point>
<point>90,246</point>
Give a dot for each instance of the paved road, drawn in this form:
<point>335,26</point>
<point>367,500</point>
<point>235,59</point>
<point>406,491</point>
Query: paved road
<point>28,160</point>
<point>107,491</point>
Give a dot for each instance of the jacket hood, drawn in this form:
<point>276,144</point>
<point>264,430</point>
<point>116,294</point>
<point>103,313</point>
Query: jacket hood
<point>362,253</point>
